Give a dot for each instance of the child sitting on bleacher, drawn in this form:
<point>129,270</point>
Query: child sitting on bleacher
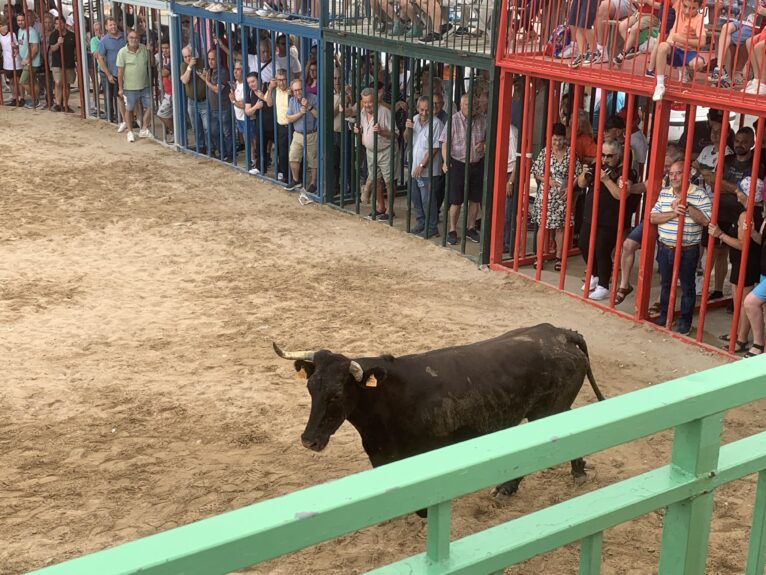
<point>680,47</point>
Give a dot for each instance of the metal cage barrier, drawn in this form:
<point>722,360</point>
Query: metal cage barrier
<point>583,204</point>
<point>411,171</point>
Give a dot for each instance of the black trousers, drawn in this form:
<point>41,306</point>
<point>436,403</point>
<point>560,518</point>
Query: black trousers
<point>283,151</point>
<point>606,238</point>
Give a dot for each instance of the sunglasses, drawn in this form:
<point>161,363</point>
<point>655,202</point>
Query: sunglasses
<point>608,155</point>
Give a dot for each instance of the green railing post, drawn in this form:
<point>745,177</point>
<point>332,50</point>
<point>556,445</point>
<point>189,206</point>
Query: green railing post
<point>755,552</point>
<point>590,554</point>
<point>438,538</point>
<point>687,523</point>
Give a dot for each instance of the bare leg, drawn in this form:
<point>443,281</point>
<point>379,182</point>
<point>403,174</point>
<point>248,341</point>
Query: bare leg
<point>724,43</point>
<point>743,330</point>
<point>454,214</point>
<point>559,235</point>
<point>754,309</point>
<point>661,59</point>
<point>473,213</point>
<point>295,168</point>
<point>627,258</point>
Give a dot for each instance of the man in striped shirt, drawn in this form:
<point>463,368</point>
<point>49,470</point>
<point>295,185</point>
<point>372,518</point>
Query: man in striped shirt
<point>665,214</point>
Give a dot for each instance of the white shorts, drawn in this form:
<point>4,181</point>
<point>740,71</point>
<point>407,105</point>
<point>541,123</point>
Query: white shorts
<point>622,9</point>
<point>166,107</point>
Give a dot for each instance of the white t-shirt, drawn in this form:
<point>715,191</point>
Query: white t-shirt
<point>640,147</point>
<point>708,157</point>
<point>513,148</point>
<point>7,48</point>
<point>239,94</point>
<point>295,63</point>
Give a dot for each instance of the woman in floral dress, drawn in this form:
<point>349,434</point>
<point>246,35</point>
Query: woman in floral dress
<point>558,177</point>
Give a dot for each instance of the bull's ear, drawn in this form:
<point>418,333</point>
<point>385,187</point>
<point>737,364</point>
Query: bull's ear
<point>373,377</point>
<point>304,369</point>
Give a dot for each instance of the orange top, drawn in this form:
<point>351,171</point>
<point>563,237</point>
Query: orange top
<point>585,147</point>
<point>693,27</point>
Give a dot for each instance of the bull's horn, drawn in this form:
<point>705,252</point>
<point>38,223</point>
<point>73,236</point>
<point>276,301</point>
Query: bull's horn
<point>356,370</point>
<point>304,355</point>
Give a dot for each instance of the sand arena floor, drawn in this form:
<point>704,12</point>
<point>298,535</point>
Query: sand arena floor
<point>140,291</point>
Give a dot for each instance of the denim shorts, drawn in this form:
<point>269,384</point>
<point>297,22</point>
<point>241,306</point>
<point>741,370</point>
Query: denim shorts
<point>132,98</point>
<point>742,33</point>
<point>637,233</point>
<point>759,290</point>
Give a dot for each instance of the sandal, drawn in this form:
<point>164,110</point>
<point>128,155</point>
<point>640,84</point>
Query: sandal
<point>655,308</point>
<point>739,346</point>
<point>622,293</point>
<point>557,265</point>
<point>751,354</point>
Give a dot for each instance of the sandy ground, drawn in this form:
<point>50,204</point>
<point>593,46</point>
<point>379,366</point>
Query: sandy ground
<point>140,291</point>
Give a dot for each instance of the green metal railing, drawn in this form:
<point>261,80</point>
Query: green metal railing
<point>694,405</point>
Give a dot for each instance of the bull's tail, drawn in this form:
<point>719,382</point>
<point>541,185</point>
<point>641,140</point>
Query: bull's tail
<point>579,341</point>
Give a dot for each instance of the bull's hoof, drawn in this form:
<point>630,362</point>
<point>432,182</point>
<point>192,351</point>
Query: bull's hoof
<point>579,479</point>
<point>504,490</point>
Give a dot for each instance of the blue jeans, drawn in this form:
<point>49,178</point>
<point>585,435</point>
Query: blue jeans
<point>199,122</point>
<point>686,273</point>
<point>422,200</point>
<point>220,120</point>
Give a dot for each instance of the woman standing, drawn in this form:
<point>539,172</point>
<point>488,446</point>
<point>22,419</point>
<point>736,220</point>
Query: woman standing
<point>558,174</point>
<point>311,85</point>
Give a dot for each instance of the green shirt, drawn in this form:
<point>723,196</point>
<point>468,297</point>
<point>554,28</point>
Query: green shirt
<point>136,65</point>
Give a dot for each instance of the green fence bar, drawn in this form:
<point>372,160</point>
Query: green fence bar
<point>693,405</point>
<point>756,552</point>
<point>590,554</point>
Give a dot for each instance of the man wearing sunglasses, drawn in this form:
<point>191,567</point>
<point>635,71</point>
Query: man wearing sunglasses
<point>604,223</point>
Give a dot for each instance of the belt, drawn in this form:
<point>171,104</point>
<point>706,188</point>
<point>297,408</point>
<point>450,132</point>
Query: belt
<point>307,133</point>
<point>683,248</point>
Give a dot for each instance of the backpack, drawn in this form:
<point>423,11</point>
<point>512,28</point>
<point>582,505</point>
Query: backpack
<point>559,40</point>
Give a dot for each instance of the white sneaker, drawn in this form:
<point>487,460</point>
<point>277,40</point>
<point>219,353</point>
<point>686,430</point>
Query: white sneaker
<point>254,172</point>
<point>755,86</point>
<point>599,293</point>
<point>131,137</point>
<point>145,134</point>
<point>659,92</point>
<point>122,127</point>
<point>593,283</point>
<point>280,177</point>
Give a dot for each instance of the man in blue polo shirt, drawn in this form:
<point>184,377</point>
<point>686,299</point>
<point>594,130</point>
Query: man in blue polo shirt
<point>302,113</point>
<point>108,48</point>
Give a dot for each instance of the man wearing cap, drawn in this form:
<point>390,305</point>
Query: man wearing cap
<point>665,214</point>
<point>63,46</point>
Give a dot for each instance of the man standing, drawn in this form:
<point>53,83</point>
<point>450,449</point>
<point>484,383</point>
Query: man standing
<point>302,113</point>
<point>108,48</point>
<point>665,214</point>
<point>277,97</point>
<point>217,80</point>
<point>375,128</point>
<point>133,83</point>
<point>29,52</point>
<point>425,132</point>
<point>196,99</point>
<point>474,150</point>
<point>63,46</point>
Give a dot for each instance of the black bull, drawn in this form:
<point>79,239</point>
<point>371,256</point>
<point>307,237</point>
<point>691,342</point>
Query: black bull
<point>408,405</point>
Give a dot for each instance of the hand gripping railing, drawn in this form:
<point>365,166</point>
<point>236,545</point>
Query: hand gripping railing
<point>694,405</point>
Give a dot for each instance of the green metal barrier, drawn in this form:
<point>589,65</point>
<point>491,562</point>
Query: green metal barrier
<point>693,405</point>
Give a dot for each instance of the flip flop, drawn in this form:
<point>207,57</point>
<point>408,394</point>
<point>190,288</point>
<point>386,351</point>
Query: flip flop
<point>622,293</point>
<point>751,354</point>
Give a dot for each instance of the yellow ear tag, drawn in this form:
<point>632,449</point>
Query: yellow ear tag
<point>371,382</point>
<point>301,374</point>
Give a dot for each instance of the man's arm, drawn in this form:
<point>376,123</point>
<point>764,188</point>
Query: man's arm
<point>295,117</point>
<point>662,217</point>
<point>120,74</point>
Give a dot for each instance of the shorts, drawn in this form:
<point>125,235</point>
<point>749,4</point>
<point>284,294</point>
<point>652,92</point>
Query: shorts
<point>25,76</point>
<point>457,181</point>
<point>680,57</point>
<point>741,33</point>
<point>637,233</point>
<point>582,13</point>
<point>622,9</point>
<point>253,128</point>
<point>383,164</point>
<point>68,73</point>
<point>11,75</point>
<point>296,148</point>
<point>760,290</point>
<point>644,21</point>
<point>166,107</point>
<point>132,97</point>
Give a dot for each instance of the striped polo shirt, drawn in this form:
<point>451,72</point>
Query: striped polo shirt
<point>668,232</point>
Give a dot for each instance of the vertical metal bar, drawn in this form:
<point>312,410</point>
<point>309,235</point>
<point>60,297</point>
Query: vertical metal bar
<point>393,80</point>
<point>574,119</point>
<point>505,98</point>
<point>179,108</point>
<point>756,552</point>
<point>653,185</point>
<point>687,523</point>
<point>82,58</point>
<point>590,554</point>
<point>448,155</point>
<point>596,192</point>
<point>542,235</point>
<point>490,139</point>
<point>523,167</point>
<point>438,536</point>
